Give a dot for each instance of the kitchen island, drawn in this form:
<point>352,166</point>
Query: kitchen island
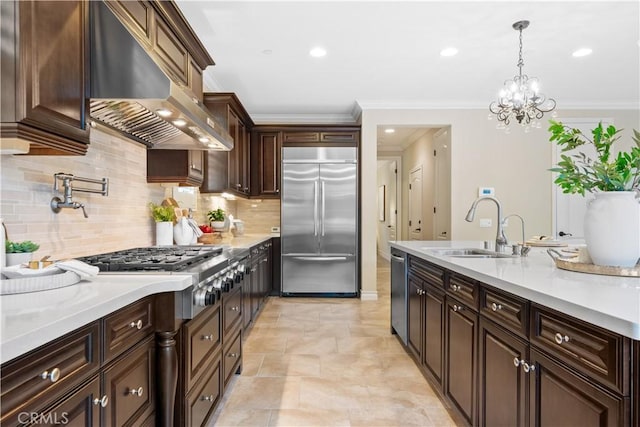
<point>115,347</point>
<point>517,341</point>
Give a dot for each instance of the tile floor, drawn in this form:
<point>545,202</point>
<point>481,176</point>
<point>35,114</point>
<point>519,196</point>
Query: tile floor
<point>328,362</point>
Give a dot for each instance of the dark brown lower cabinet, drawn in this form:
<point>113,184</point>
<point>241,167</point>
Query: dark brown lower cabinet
<point>560,397</point>
<point>460,353</point>
<point>203,398</point>
<point>433,331</point>
<point>503,382</point>
<point>414,318</point>
<point>78,409</point>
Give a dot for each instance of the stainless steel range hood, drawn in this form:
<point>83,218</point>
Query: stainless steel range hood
<point>132,95</point>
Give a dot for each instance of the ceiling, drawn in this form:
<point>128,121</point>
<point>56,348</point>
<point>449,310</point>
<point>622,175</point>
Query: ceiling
<point>386,54</point>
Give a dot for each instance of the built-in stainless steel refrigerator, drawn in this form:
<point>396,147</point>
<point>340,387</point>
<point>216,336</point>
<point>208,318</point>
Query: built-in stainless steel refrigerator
<point>319,221</point>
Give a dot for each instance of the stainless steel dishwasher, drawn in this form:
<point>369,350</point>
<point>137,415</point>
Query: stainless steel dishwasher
<point>399,299</point>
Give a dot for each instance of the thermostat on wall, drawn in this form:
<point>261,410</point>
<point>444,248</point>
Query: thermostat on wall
<point>486,191</point>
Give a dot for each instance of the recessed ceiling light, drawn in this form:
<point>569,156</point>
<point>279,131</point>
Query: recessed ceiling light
<point>163,112</point>
<point>203,139</point>
<point>389,130</point>
<point>318,52</point>
<point>582,52</point>
<point>449,51</point>
<point>179,122</point>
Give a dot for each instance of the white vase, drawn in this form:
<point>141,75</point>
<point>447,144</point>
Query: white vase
<point>612,228</point>
<point>164,233</point>
<point>217,225</point>
<point>19,258</point>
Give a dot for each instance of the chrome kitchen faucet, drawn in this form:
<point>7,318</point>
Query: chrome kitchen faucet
<point>57,204</point>
<point>501,240</point>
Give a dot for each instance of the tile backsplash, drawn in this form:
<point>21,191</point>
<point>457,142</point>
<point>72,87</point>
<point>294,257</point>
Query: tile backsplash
<point>120,220</point>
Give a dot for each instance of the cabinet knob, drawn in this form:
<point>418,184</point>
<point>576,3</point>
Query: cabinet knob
<point>235,308</point>
<point>455,288</point>
<point>517,362</point>
<point>458,307</point>
<point>207,337</point>
<point>136,391</point>
<point>496,307</point>
<point>137,325</point>
<point>104,401</point>
<point>528,368</point>
<point>53,375</point>
<point>207,398</point>
<point>233,355</point>
<point>561,338</point>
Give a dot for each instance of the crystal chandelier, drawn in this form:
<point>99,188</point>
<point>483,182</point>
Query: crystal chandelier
<point>520,98</point>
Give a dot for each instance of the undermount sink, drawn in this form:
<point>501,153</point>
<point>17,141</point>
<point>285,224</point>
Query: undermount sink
<point>468,253</point>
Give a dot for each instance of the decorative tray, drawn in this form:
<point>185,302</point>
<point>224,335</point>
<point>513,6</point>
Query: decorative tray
<point>38,283</point>
<point>572,264</point>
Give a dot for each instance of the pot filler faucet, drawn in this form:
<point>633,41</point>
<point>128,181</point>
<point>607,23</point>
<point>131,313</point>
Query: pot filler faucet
<point>501,240</point>
<point>57,204</point>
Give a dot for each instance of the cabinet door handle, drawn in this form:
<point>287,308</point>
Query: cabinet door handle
<point>458,307</point>
<point>53,376</point>
<point>207,398</point>
<point>496,307</point>
<point>136,391</point>
<point>137,325</point>
<point>207,337</point>
<point>455,288</point>
<point>103,402</point>
<point>561,338</point>
<point>235,308</point>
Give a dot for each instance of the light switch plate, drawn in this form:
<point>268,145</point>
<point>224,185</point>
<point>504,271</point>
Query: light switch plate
<point>275,229</point>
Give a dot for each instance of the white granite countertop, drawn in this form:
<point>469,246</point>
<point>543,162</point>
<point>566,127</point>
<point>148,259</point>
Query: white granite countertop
<point>610,302</point>
<point>32,319</point>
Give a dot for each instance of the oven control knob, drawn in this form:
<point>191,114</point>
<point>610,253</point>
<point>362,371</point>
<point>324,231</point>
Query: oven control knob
<point>199,297</point>
<point>209,298</point>
<point>228,284</point>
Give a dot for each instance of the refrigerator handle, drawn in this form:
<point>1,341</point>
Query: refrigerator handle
<point>322,217</point>
<point>315,208</point>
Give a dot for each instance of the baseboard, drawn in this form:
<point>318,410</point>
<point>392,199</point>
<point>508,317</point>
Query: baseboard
<point>369,295</point>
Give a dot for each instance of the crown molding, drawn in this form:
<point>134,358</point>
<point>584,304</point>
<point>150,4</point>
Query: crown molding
<point>303,119</point>
<point>209,83</point>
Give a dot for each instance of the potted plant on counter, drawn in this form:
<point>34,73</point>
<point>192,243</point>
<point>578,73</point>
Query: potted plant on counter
<point>164,217</point>
<point>612,220</point>
<point>216,217</point>
<point>19,252</point>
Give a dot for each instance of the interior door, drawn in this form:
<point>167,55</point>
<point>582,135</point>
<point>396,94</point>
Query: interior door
<point>570,208</point>
<point>415,204</point>
<point>338,214</point>
<point>300,191</point>
<point>392,200</point>
<point>442,184</point>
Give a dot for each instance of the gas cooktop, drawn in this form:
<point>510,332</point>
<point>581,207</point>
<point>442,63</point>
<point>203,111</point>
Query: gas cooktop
<point>155,258</point>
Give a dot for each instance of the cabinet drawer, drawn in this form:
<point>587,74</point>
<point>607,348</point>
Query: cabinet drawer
<point>594,351</point>
<point>202,341</point>
<point>507,310</point>
<point>78,409</point>
<point>300,137</point>
<point>129,385</point>
<point>124,328</point>
<point>464,289</point>
<point>231,309</point>
<point>426,271</point>
<point>64,363</point>
<point>351,137</point>
<point>202,400</point>
<point>232,356</point>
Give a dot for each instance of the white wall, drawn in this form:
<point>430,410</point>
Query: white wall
<point>382,232</point>
<point>419,153</point>
<point>516,164</point>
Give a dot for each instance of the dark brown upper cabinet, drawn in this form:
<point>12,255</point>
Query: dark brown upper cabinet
<point>45,75</point>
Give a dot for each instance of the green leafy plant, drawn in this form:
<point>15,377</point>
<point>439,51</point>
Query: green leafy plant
<point>161,213</point>
<point>578,173</point>
<point>216,215</point>
<point>20,247</point>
